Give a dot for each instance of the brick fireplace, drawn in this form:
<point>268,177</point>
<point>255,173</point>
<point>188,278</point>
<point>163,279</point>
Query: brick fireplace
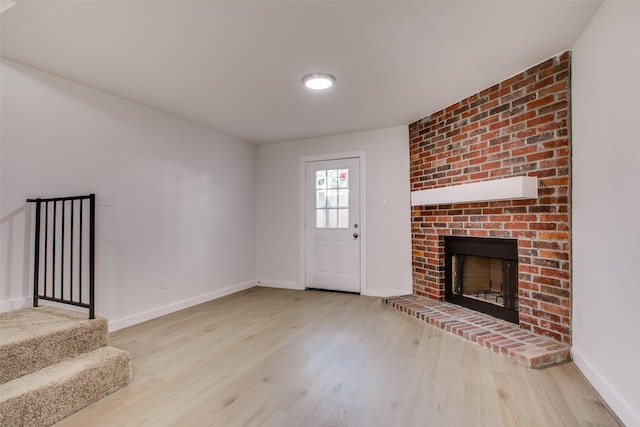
<point>519,127</point>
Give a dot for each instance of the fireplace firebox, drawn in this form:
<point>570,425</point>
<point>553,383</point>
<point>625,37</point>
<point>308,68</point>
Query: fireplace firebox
<point>482,274</point>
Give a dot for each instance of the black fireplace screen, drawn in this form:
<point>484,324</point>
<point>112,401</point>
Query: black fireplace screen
<point>482,274</point>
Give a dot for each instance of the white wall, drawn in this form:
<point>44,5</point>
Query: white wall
<point>183,195</point>
<point>388,237</point>
<point>606,206</point>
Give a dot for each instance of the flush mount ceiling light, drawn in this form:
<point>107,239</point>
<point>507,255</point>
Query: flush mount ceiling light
<point>318,81</point>
<point>4,5</point>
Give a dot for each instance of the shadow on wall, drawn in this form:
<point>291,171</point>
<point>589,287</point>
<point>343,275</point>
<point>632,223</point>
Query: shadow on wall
<point>10,226</point>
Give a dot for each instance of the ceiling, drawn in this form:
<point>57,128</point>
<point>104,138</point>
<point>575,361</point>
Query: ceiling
<point>236,66</point>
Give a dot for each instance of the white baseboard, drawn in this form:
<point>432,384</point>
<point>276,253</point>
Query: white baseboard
<point>14,304</point>
<point>383,293</point>
<point>281,285</point>
<point>625,412</point>
<point>114,325</point>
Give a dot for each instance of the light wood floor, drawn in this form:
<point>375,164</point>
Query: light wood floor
<point>272,357</point>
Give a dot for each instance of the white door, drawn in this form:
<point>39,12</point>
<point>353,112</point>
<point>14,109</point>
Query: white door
<point>333,225</point>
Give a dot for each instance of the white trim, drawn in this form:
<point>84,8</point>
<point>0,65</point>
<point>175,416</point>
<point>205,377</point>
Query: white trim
<point>114,325</point>
<point>622,409</point>
<point>280,284</point>
<point>363,211</point>
<point>513,188</point>
<point>15,304</point>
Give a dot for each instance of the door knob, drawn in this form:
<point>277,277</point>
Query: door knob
<point>355,235</point>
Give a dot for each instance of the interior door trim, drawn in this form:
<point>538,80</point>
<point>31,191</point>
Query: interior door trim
<point>363,212</point>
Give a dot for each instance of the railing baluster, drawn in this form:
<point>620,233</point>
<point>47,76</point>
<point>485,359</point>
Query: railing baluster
<point>71,253</point>
<point>62,220</point>
<point>53,261</point>
<point>46,247</point>
<point>80,281</point>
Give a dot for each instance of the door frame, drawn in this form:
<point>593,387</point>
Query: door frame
<point>363,212</point>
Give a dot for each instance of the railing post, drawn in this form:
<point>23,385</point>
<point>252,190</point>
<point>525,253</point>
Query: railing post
<point>36,258</point>
<point>92,253</point>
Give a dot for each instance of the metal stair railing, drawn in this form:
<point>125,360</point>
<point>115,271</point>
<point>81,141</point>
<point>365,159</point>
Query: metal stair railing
<point>64,251</point>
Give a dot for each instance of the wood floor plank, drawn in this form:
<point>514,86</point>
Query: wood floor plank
<point>274,357</point>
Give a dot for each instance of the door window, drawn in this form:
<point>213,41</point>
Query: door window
<point>332,198</point>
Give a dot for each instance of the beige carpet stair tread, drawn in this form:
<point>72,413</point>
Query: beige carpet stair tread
<point>54,392</point>
<point>34,338</point>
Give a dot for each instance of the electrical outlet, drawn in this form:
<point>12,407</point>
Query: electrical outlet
<point>386,270</point>
<point>163,283</point>
<point>105,199</point>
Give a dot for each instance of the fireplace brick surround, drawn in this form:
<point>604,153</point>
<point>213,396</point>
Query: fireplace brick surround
<point>518,127</point>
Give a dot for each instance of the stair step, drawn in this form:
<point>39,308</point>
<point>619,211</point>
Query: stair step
<point>55,392</point>
<point>34,338</point>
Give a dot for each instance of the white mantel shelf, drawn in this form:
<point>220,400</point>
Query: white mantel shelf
<point>515,188</point>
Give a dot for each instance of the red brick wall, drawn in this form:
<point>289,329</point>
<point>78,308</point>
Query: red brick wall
<point>517,127</point>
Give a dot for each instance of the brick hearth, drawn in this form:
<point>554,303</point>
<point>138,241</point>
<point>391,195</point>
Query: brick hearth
<point>507,339</point>
<point>519,127</point>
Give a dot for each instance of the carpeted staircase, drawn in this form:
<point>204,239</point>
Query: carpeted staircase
<point>54,362</point>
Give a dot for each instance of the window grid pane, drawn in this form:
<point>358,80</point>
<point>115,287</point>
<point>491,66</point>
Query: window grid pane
<point>321,179</point>
<point>332,218</point>
<point>332,198</point>
<point>321,218</point>
<point>343,178</point>
<point>321,199</point>
<point>343,218</point>
<point>343,198</point>
<point>332,178</point>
